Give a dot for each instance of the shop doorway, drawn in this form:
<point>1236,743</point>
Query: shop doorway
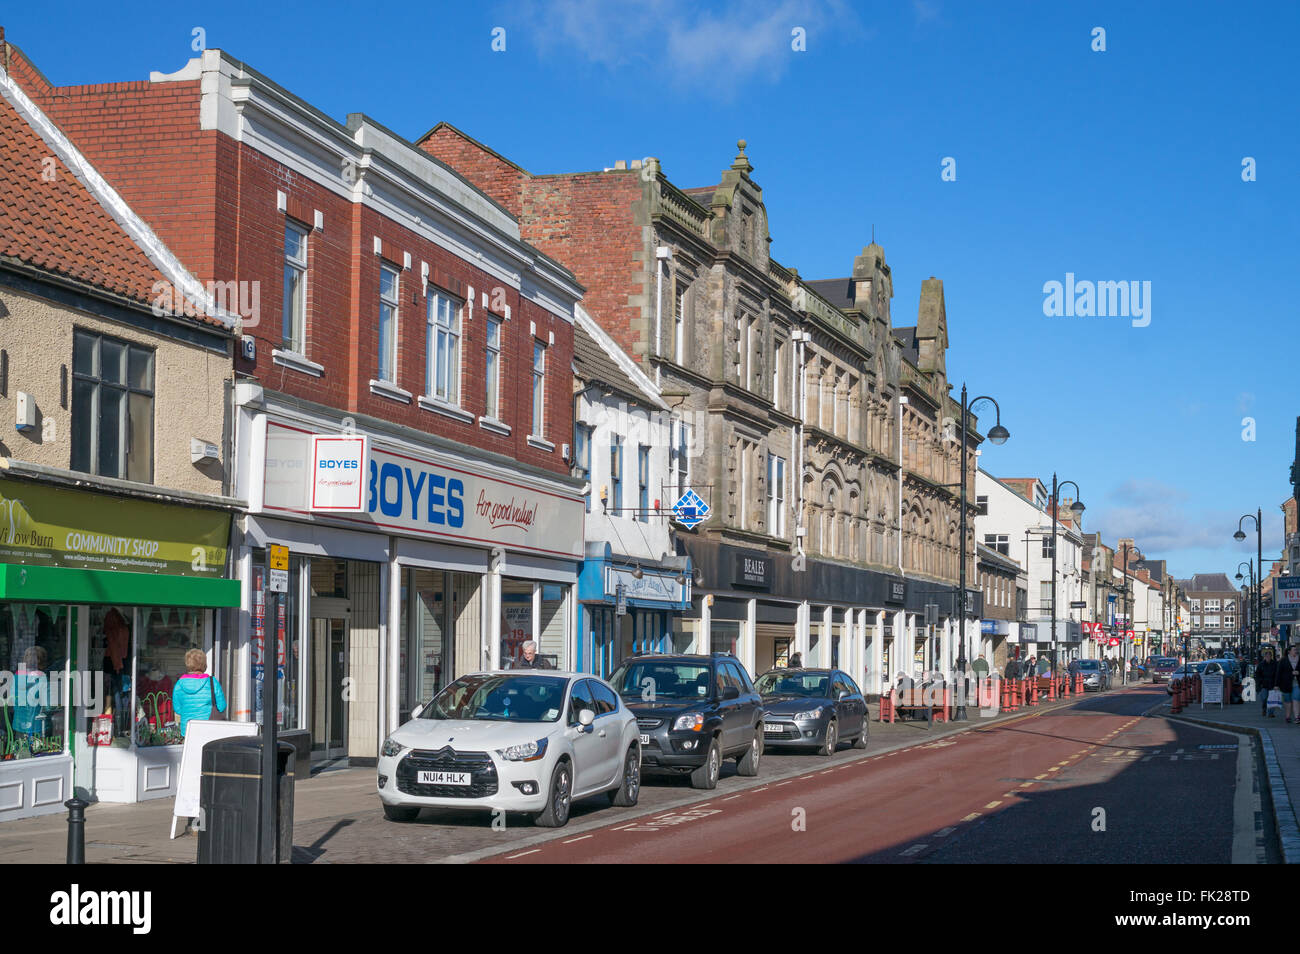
<point>329,695</point>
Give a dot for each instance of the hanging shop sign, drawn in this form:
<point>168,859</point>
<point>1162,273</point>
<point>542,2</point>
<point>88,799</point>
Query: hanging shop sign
<point>52,526</point>
<point>428,495</point>
<point>338,471</point>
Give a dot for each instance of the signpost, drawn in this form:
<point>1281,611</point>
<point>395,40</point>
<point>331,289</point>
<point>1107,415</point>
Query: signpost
<point>277,559</point>
<point>690,510</point>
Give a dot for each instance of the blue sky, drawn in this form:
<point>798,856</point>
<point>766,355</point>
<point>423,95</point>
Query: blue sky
<point>1122,164</point>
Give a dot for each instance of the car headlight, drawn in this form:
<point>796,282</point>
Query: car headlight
<point>391,748</point>
<point>692,722</point>
<point>810,716</point>
<point>524,752</point>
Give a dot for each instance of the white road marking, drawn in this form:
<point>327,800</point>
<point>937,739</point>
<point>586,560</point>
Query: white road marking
<point>531,851</point>
<point>944,832</point>
<point>579,838</point>
<point>993,804</point>
<point>915,849</point>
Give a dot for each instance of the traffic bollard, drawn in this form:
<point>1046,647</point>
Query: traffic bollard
<point>76,830</point>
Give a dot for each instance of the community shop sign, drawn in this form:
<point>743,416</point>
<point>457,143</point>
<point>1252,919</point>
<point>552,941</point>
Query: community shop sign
<point>419,495</point>
<point>51,526</point>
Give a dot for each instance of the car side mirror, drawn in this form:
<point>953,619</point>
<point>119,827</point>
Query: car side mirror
<point>729,693</point>
<point>585,718</point>
<point>415,713</point>
<point>842,696</point>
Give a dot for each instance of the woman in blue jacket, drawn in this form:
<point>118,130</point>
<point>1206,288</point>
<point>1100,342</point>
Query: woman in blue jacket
<point>197,695</point>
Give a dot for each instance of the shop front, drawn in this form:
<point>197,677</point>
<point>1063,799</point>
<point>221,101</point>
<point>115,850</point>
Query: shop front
<point>101,598</point>
<point>627,607</point>
<point>410,562</point>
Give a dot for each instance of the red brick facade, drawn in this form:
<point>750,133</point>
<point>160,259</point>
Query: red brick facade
<point>213,201</point>
<point>590,221</point>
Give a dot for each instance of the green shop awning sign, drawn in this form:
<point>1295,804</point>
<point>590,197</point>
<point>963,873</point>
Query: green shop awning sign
<point>44,526</point>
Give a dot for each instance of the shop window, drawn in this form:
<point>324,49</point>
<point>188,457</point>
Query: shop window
<point>112,407</point>
<point>164,636</point>
<point>33,649</point>
<point>724,637</point>
<point>278,613</point>
<point>111,649</point>
<point>424,644</point>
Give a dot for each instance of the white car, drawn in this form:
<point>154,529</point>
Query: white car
<point>524,741</point>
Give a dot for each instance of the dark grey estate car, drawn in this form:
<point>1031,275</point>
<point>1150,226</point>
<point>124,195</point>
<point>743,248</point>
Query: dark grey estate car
<point>812,708</point>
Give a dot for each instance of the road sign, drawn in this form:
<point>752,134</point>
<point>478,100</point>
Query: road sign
<point>278,563</point>
<point>620,600</point>
<point>690,511</point>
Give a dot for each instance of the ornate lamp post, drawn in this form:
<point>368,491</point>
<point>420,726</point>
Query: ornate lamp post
<point>998,435</point>
<point>1127,622</point>
<point>1077,508</point>
<point>1250,581</point>
<point>1240,535</point>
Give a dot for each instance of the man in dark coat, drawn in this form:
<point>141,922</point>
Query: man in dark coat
<point>1265,678</point>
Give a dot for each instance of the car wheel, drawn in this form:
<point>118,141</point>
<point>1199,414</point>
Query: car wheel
<point>706,776</point>
<point>747,764</point>
<point>629,791</point>
<point>832,740</point>
<point>556,814</point>
<point>399,813</point>
<point>861,741</point>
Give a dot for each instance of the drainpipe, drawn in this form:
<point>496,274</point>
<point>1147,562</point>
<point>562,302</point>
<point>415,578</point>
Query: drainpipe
<point>902,399</point>
<point>662,254</point>
<point>799,382</point>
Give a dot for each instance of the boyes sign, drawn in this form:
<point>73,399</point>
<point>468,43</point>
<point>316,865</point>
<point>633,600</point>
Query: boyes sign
<point>348,477</point>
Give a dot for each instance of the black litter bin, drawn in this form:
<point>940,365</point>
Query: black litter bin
<point>230,798</point>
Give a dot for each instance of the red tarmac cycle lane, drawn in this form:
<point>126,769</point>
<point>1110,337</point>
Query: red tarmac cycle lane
<point>885,808</point>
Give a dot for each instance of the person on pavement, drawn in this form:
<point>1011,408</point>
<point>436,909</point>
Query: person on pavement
<point>1266,679</point>
<point>528,658</point>
<point>1012,670</point>
<point>1289,684</point>
<point>197,695</point>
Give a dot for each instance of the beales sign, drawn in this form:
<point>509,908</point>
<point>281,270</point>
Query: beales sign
<point>422,496</point>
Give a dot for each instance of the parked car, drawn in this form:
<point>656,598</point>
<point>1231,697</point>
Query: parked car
<point>523,741</point>
<point>1161,667</point>
<point>1179,674</point>
<point>806,708</point>
<point>1096,674</point>
<point>692,712</point>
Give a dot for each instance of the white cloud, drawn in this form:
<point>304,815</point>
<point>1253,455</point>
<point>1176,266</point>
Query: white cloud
<point>680,44</point>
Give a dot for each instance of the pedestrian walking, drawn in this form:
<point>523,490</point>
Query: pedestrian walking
<point>528,658</point>
<point>1288,682</point>
<point>1266,680</point>
<point>1012,669</point>
<point>197,695</point>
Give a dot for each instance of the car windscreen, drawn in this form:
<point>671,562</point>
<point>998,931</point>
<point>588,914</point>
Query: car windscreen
<point>1089,665</point>
<point>500,698</point>
<point>814,685</point>
<point>664,681</point>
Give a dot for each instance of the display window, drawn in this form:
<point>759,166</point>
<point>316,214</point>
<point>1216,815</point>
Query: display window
<point>33,657</point>
<point>537,612</point>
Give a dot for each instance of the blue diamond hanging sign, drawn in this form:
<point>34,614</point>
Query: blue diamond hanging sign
<point>690,511</point>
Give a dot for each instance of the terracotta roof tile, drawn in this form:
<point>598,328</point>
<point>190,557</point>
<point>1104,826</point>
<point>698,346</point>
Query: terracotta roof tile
<point>50,221</point>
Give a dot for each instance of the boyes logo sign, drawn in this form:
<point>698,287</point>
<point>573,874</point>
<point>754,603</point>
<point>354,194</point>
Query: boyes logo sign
<point>348,477</point>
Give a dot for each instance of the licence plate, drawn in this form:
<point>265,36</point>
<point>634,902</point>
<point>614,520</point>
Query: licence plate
<point>443,778</point>
<point>645,739</point>
<point>773,727</point>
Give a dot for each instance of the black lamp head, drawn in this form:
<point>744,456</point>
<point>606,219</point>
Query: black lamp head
<point>1239,535</point>
<point>998,434</point>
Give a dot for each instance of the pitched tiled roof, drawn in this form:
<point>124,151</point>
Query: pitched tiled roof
<point>837,291</point>
<point>592,364</point>
<point>51,221</point>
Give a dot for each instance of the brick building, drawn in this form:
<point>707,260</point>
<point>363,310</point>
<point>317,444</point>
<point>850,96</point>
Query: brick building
<point>383,297</point>
<point>792,395</point>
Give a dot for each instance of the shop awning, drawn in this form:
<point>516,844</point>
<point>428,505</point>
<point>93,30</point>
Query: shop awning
<point>46,584</point>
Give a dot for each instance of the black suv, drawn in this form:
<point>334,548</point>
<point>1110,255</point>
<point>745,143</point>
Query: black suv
<point>693,712</point>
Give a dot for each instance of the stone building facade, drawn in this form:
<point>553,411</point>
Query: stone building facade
<point>789,394</point>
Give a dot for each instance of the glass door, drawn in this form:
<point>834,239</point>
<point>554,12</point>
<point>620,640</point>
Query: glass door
<point>329,666</point>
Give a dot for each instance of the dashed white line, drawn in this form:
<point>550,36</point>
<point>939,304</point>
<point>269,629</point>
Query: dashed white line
<point>531,851</point>
<point>915,849</point>
<point>993,804</point>
<point>570,841</point>
<point>944,832</point>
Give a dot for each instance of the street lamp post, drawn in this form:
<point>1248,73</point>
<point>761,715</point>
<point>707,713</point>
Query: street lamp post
<point>1258,517</point>
<point>997,435</point>
<point>1251,582</point>
<point>1127,622</point>
<point>1077,509</point>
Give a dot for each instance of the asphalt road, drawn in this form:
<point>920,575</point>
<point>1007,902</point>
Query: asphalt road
<point>1092,783</point>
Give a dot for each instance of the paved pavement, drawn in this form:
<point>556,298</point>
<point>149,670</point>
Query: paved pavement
<point>337,818</point>
<point>1280,745</point>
